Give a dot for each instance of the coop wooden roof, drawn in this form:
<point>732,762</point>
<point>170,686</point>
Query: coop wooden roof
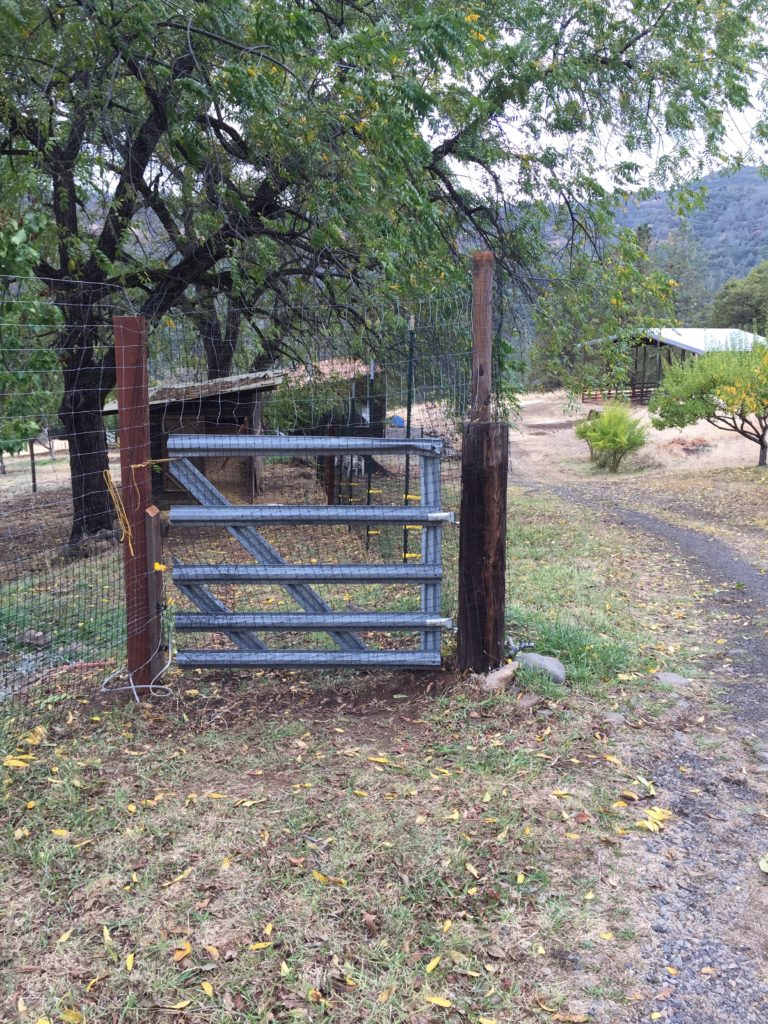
<point>166,394</point>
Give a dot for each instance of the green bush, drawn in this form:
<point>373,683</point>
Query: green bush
<point>611,435</point>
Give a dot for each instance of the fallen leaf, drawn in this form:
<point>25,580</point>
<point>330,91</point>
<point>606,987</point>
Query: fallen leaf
<point>487,1020</point>
<point>471,869</point>
<point>371,924</point>
<point>606,936</point>
<point>447,925</point>
<point>176,1006</point>
<point>255,946</point>
<point>285,970</point>
<point>672,971</point>
<point>385,995</point>
<point>432,965</point>
<point>212,952</point>
<point>182,952</point>
<point>207,987</point>
<point>708,970</point>
<point>763,864</point>
<point>129,962</point>
<point>572,1018</point>
<point>72,1016</point>
<point>60,832</point>
<point>64,937</point>
<point>520,877</point>
<point>179,878</point>
<point>438,1001</point>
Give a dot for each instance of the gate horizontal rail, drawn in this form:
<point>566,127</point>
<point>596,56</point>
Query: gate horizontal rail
<point>370,621</point>
<point>308,659</point>
<point>303,515</point>
<point>198,445</point>
<point>395,573</point>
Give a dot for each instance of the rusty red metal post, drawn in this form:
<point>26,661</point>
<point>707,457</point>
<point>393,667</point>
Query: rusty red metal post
<point>136,477</point>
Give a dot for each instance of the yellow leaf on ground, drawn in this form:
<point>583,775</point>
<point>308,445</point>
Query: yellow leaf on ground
<point>131,808</point>
<point>21,1005</point>
<point>207,987</point>
<point>129,962</point>
<point>708,970</point>
<point>438,1001</point>
<point>179,878</point>
<point>15,762</point>
<point>487,1020</point>
<point>285,970</point>
<point>447,925</point>
<point>433,963</point>
<point>72,1016</point>
<point>106,934</point>
<point>226,864</point>
<point>64,937</point>
<point>385,995</point>
<point>182,1005</point>
<point>268,928</point>
<point>182,951</point>
<point>254,946</point>
<point>60,832</point>
<point>360,792</point>
<point>561,792</point>
<point>380,760</point>
<point>672,971</point>
<point>471,869</point>
<point>572,1018</point>
<point>606,936</point>
<point>320,877</point>
<point>520,877</point>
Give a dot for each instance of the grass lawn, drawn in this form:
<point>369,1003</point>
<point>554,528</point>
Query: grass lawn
<point>358,848</point>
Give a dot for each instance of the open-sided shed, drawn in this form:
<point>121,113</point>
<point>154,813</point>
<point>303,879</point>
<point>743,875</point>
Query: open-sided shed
<point>653,348</point>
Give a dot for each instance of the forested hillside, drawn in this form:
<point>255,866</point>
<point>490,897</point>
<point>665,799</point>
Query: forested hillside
<point>731,229</point>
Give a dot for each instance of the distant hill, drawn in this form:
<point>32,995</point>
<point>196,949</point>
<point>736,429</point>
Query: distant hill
<point>731,229</point>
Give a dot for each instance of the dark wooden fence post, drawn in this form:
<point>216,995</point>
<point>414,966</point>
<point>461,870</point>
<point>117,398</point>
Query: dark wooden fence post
<point>136,491</point>
<point>483,520</point>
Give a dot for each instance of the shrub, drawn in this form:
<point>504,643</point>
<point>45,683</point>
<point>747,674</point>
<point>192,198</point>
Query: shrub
<point>611,435</point>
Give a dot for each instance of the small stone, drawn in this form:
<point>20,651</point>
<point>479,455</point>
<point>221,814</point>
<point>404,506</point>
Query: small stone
<point>34,638</point>
<point>672,679</point>
<point>500,678</point>
<point>542,663</point>
<point>614,718</point>
<point>761,755</point>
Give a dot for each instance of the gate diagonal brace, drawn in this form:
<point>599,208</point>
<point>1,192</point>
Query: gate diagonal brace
<point>204,492</point>
<point>207,602</point>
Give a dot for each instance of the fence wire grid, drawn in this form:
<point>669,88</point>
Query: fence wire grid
<point>383,373</point>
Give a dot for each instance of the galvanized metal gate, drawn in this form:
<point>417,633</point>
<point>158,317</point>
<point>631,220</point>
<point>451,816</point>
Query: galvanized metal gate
<point>269,567</point>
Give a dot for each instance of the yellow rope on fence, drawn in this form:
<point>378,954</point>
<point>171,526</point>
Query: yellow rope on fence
<point>122,515</point>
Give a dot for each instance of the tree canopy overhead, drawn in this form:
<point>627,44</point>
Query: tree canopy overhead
<point>264,146</point>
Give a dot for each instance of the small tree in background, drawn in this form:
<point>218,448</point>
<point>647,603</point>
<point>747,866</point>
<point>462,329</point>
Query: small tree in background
<point>611,435</point>
<point>728,389</point>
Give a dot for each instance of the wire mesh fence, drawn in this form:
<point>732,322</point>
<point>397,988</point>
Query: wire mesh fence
<point>382,373</point>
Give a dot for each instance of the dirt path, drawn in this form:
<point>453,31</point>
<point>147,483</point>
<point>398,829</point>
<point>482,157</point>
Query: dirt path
<point>704,911</point>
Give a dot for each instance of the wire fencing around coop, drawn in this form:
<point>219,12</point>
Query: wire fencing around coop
<point>62,615</point>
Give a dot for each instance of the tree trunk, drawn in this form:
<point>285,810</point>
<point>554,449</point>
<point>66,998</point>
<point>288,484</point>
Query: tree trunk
<point>86,386</point>
<point>763,460</point>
